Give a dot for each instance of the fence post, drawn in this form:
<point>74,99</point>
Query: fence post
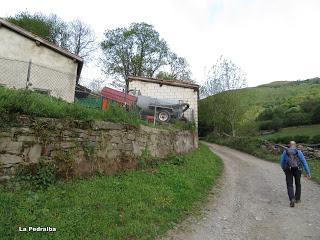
<point>28,74</point>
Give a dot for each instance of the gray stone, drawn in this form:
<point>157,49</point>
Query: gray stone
<point>4,178</point>
<point>115,139</point>
<point>27,138</point>
<point>113,154</point>
<point>131,136</point>
<point>67,145</point>
<point>8,160</point>
<point>5,139</point>
<point>35,153</point>
<point>83,135</point>
<point>11,147</point>
<point>5,134</point>
<point>127,147</point>
<point>107,125</point>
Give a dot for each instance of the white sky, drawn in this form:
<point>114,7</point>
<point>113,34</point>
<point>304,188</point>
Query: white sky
<point>270,40</point>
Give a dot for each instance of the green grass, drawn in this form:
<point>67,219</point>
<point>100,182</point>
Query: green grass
<point>38,105</point>
<point>134,205</point>
<point>315,170</point>
<point>308,130</point>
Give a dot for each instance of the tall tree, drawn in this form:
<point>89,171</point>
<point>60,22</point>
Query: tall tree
<point>178,69</point>
<point>224,110</point>
<point>224,75</point>
<point>75,36</point>
<point>81,39</point>
<point>139,51</point>
<point>51,27</point>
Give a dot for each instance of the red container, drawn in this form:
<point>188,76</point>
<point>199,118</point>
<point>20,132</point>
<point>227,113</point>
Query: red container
<point>118,96</point>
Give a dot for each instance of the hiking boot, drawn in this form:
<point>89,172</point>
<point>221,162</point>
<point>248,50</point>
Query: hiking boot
<point>292,203</point>
<point>298,201</point>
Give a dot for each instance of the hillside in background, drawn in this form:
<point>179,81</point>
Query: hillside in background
<point>272,106</point>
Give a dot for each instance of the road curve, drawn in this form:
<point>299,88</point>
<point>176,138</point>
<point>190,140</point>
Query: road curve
<point>251,203</point>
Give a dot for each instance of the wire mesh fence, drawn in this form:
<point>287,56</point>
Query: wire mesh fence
<point>28,75</point>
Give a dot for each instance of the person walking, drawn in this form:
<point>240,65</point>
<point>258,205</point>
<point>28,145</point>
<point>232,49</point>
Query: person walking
<point>292,161</point>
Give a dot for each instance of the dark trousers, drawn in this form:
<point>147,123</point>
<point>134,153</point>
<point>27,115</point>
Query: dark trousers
<point>296,174</point>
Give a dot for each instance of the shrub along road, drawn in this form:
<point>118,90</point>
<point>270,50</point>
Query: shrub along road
<point>252,204</point>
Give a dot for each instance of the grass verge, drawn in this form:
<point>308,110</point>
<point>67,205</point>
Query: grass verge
<point>134,205</point>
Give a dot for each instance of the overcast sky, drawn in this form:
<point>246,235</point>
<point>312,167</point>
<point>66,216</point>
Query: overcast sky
<point>270,40</point>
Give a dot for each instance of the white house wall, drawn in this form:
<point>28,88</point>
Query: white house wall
<point>169,92</point>
<point>60,83</point>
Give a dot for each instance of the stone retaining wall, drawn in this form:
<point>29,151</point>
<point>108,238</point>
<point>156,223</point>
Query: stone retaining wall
<point>86,147</point>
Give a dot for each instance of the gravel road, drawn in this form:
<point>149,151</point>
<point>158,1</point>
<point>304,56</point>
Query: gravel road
<point>251,203</point>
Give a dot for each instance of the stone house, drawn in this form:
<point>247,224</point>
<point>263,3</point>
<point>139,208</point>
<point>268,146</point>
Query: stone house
<point>49,68</point>
<point>169,89</point>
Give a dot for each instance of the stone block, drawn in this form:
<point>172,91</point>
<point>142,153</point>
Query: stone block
<point>27,139</point>
<point>8,160</point>
<point>116,139</point>
<point>96,125</point>
<point>4,179</point>
<point>113,154</point>
<point>131,136</point>
<point>11,147</point>
<point>35,153</point>
<point>67,145</point>
<point>5,135</point>
<point>127,147</point>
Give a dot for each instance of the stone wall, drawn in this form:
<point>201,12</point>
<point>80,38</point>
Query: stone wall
<point>311,151</point>
<point>86,147</point>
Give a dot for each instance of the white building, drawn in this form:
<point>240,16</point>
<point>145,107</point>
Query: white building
<point>169,89</point>
<point>53,70</point>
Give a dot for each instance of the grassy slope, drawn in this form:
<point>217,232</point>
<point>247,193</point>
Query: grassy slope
<point>255,98</point>
<point>35,104</point>
<point>134,205</point>
<point>309,130</point>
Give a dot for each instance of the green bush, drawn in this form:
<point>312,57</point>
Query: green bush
<point>282,139</point>
<point>316,115</point>
<point>297,119</point>
<point>301,139</point>
<point>315,139</point>
<point>37,175</point>
<point>266,125</point>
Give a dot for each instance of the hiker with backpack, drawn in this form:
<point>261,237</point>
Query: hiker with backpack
<point>292,162</point>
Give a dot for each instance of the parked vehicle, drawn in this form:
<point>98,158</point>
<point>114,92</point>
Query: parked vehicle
<point>163,109</point>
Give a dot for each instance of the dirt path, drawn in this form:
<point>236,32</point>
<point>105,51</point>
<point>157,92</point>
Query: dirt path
<point>252,203</point>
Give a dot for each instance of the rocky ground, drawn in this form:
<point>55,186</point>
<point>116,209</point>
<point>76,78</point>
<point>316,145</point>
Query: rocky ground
<point>251,203</point>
